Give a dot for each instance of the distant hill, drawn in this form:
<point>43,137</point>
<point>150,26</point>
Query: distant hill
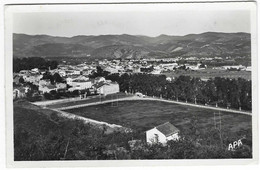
<point>209,44</point>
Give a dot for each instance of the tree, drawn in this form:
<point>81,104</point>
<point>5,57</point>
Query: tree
<point>47,76</point>
<point>33,62</point>
<point>21,80</point>
<point>57,78</point>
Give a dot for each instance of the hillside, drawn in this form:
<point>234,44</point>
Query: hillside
<point>209,44</point>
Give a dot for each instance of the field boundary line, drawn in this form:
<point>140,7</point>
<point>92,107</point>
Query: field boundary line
<point>86,120</point>
<point>134,98</point>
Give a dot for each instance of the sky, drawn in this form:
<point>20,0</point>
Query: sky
<point>149,23</point>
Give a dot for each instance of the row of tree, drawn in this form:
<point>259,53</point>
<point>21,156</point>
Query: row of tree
<point>224,92</point>
<point>33,62</point>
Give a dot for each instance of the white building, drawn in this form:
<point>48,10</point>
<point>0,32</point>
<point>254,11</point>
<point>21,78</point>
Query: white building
<point>162,134</point>
<point>99,79</point>
<point>33,78</point>
<point>47,89</point>
<point>156,72</point>
<point>61,85</point>
<point>35,70</point>
<point>80,85</point>
<point>70,79</point>
<point>169,66</point>
<point>195,67</point>
<point>62,73</point>
<point>249,68</point>
<point>44,82</point>
<point>239,67</point>
<point>107,88</point>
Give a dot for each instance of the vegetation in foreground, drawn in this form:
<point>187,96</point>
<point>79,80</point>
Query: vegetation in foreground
<point>43,135</point>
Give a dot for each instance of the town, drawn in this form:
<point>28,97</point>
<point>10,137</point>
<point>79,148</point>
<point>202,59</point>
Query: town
<point>131,82</point>
<point>79,80</point>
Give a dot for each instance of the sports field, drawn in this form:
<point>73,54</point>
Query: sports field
<point>91,99</point>
<point>143,115</point>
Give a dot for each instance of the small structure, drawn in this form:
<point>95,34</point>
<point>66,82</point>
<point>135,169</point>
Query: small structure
<point>162,134</point>
<point>19,92</point>
<point>105,88</point>
<point>99,79</point>
<point>138,94</point>
<point>16,79</point>
<point>61,86</point>
<point>47,89</point>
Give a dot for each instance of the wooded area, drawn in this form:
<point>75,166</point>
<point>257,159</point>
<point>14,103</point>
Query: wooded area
<point>33,62</point>
<point>223,92</point>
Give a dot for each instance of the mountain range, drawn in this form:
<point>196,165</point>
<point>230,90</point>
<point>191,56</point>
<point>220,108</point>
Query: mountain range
<point>208,44</point>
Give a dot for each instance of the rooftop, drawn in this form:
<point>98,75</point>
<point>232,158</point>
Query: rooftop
<point>167,129</point>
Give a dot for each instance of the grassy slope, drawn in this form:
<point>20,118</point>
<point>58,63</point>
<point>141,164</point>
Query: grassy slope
<point>143,115</point>
<point>30,117</point>
<point>36,131</point>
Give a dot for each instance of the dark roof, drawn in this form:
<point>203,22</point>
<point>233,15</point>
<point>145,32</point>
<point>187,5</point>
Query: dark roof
<point>100,84</point>
<point>51,86</point>
<point>167,129</point>
<point>98,78</point>
<point>82,81</point>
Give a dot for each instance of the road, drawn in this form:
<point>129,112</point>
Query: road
<point>156,99</point>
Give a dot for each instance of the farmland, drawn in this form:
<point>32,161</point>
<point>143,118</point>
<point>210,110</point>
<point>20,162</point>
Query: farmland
<point>143,115</point>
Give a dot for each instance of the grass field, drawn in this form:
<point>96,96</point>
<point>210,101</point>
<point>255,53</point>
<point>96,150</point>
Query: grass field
<point>91,99</point>
<point>143,115</point>
<point>211,73</point>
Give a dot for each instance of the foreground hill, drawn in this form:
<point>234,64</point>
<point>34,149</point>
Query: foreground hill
<point>40,134</point>
<point>209,44</point>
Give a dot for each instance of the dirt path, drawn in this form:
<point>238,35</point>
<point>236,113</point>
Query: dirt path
<point>109,127</point>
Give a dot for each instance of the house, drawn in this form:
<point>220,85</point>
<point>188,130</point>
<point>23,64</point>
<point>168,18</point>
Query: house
<point>162,133</point>
<point>61,86</point>
<point>19,92</point>
<point>86,72</point>
<point>33,78</point>
<point>44,82</point>
<point>16,79</point>
<point>35,70</point>
<point>62,73</point>
<point>99,79</point>
<point>81,84</point>
<point>169,79</point>
<point>47,89</point>
<point>71,79</point>
<point>24,72</point>
<point>249,68</point>
<point>111,69</point>
<point>237,67</point>
<point>106,88</point>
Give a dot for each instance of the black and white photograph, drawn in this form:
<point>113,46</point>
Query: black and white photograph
<point>152,81</point>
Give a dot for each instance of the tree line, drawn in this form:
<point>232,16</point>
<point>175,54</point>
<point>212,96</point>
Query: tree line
<point>33,62</point>
<point>221,92</point>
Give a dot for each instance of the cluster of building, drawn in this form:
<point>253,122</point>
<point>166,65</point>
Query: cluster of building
<point>74,78</point>
<point>234,67</point>
<point>152,66</point>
